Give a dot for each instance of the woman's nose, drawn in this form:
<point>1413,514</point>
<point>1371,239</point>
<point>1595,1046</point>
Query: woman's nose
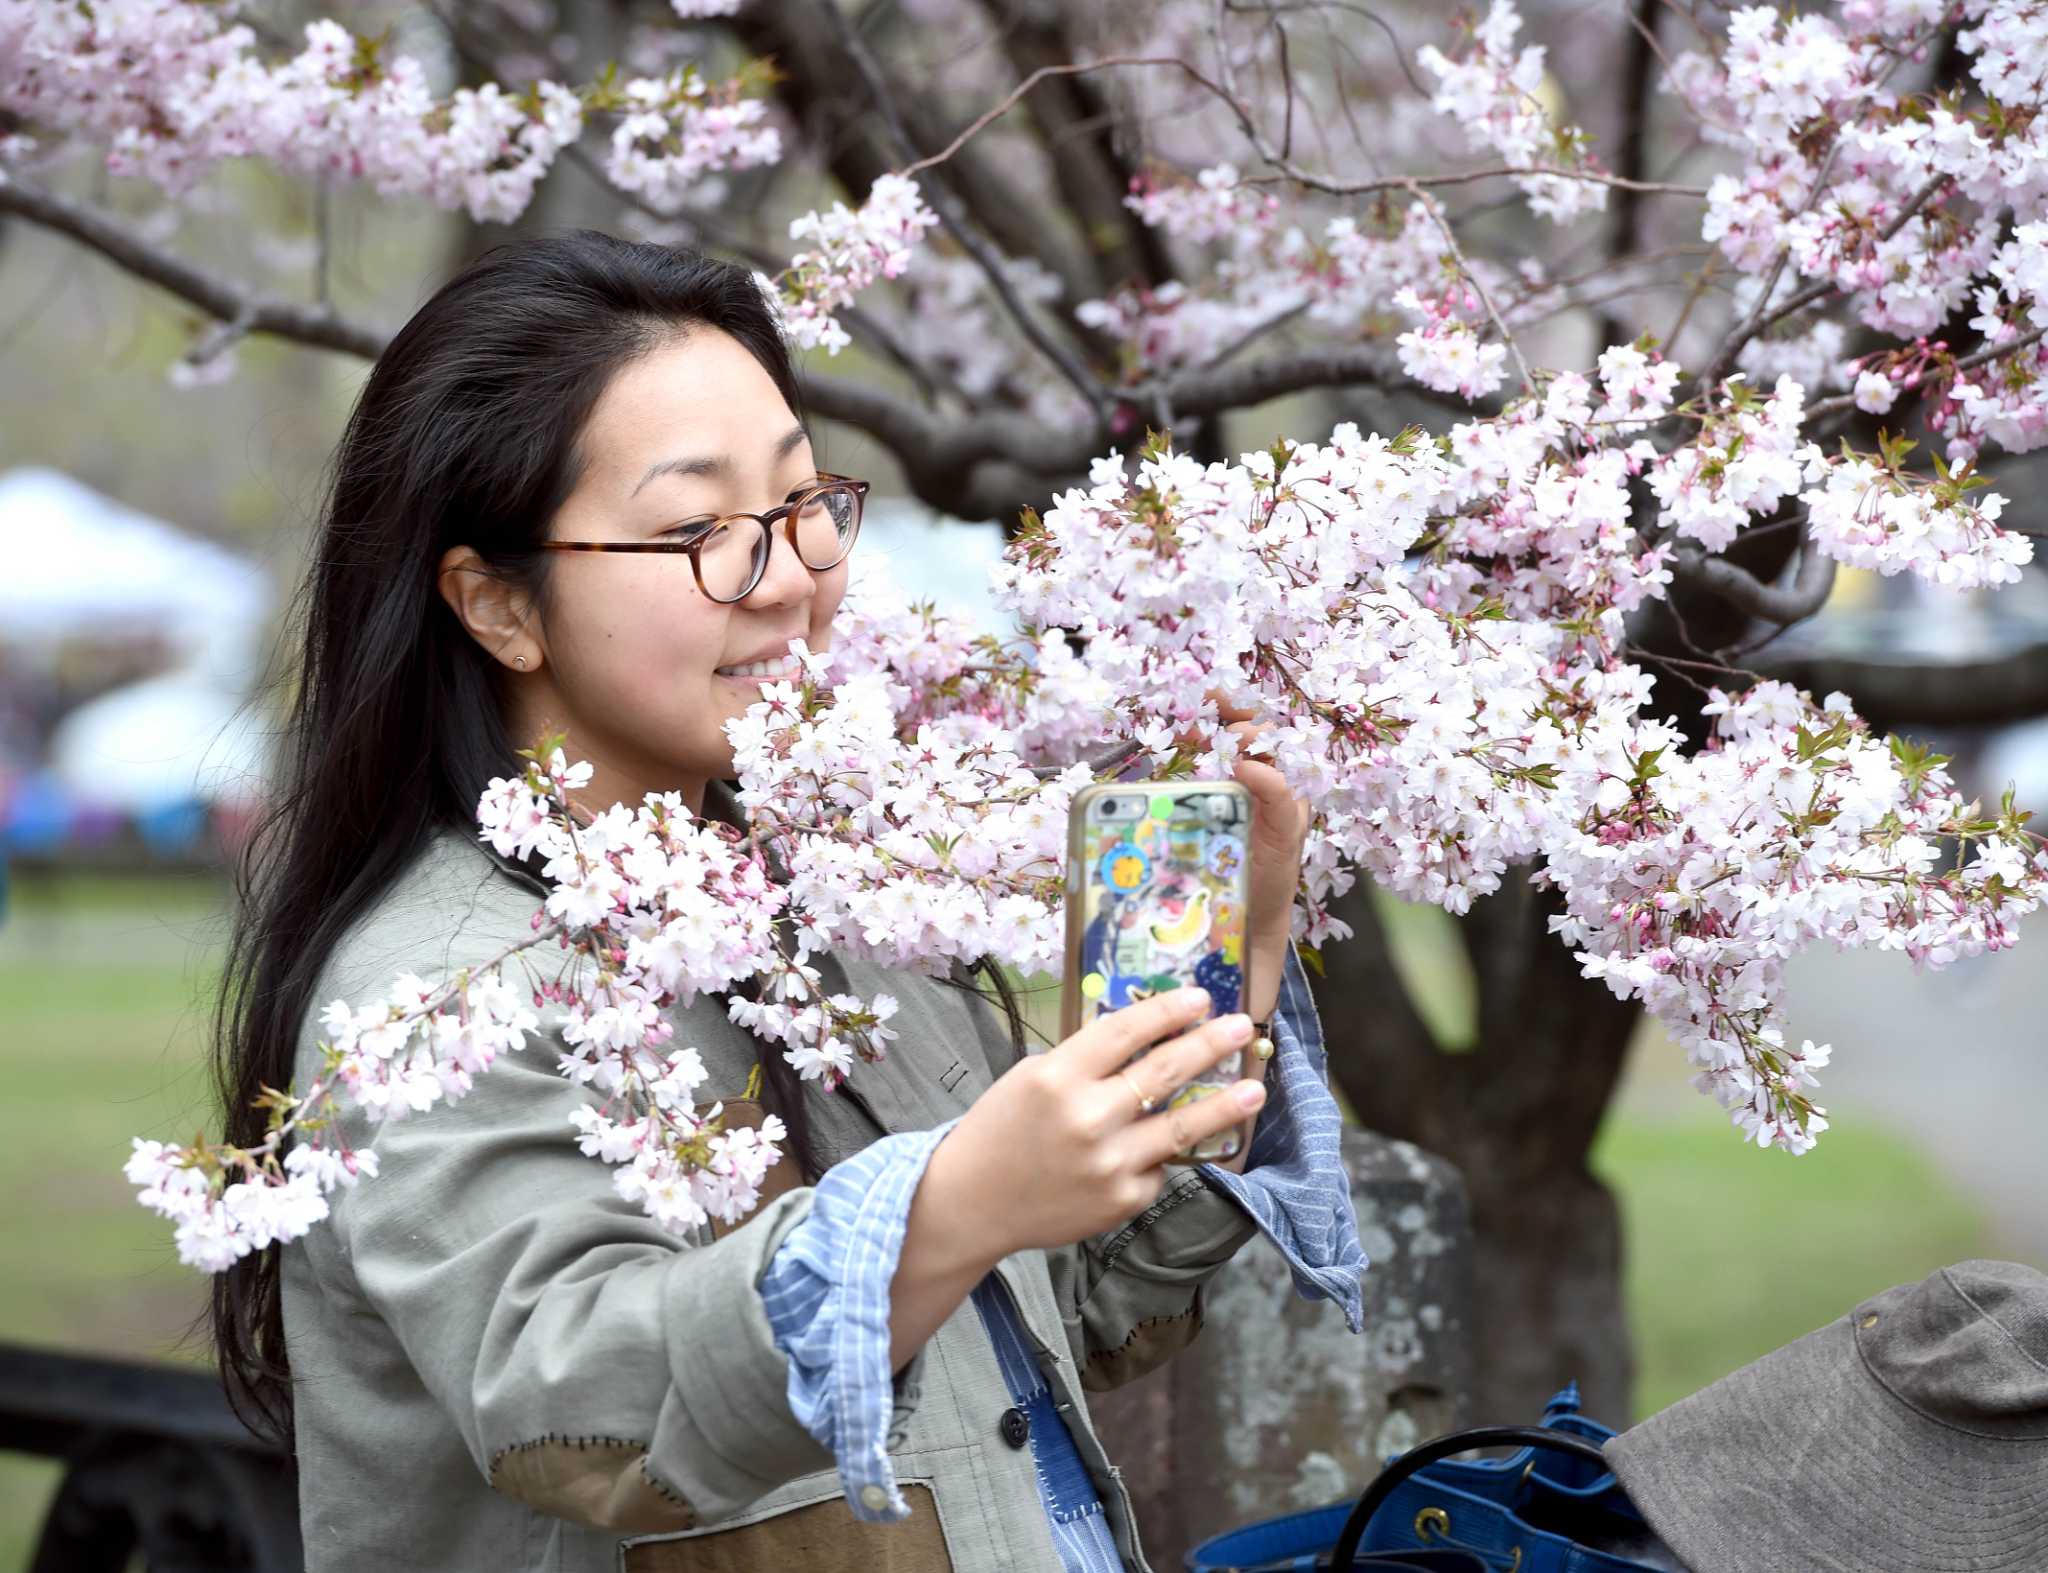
<point>785,581</point>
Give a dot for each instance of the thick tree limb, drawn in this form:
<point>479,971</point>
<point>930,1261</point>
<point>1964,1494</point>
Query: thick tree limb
<point>1811,584</point>
<point>814,86</point>
<point>1889,695</point>
<point>1393,1074</point>
<point>1625,211</point>
<point>1077,134</point>
<point>959,225</point>
<point>1212,391</point>
<point>226,301</point>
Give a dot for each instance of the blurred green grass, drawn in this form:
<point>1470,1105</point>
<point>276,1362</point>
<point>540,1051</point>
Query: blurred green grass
<point>104,985</point>
<point>1733,1252</point>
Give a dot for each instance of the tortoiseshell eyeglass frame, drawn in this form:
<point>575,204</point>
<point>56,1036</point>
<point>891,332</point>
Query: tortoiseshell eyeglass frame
<point>786,513</point>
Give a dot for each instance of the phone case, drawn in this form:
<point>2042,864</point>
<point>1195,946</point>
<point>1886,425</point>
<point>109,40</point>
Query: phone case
<point>1158,876</point>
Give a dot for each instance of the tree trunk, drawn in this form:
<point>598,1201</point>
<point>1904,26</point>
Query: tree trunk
<point>1516,1110</point>
<point>1278,1406</point>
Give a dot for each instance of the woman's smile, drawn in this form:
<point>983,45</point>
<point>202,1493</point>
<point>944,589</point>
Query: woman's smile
<point>779,668</point>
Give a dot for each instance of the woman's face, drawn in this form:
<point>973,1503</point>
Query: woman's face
<point>636,660</point>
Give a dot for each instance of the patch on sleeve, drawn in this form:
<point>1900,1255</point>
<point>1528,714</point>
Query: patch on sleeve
<point>1150,1346</point>
<point>600,1481</point>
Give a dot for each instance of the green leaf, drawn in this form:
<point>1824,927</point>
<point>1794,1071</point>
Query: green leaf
<point>1916,761</point>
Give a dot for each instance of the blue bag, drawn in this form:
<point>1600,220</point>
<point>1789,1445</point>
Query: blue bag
<point>1552,1506</point>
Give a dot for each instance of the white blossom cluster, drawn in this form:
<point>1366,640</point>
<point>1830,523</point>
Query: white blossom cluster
<point>1495,93</point>
<point>1743,463</point>
<point>174,88</point>
<point>649,908</point>
<point>1691,879</point>
<point>849,251</point>
<point>1443,740</point>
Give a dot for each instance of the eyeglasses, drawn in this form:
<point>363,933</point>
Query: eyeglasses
<point>729,559</point>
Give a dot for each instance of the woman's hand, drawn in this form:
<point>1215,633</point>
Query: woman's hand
<point>1060,1148</point>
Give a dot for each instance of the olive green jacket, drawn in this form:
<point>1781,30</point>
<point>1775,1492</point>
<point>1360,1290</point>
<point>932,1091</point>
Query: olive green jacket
<point>499,1365</point>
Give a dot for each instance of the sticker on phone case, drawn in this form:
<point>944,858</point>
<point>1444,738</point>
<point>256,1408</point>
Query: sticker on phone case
<point>1125,868</point>
<point>1182,932</point>
<point>1225,857</point>
<point>1222,978</point>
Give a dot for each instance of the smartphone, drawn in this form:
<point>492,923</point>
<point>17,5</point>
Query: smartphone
<point>1158,879</point>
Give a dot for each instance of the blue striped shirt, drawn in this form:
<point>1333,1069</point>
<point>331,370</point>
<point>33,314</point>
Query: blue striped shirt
<point>826,1290</point>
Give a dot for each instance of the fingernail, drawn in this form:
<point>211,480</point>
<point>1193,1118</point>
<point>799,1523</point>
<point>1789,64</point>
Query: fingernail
<point>1249,1098</point>
<point>1235,1029</point>
<point>1190,996</point>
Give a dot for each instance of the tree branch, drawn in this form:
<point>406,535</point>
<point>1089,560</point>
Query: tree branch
<point>219,298</point>
<point>1763,315</point>
<point>983,466</point>
<point>1811,584</point>
<point>1286,169</point>
<point>1841,402</point>
<point>1443,227</point>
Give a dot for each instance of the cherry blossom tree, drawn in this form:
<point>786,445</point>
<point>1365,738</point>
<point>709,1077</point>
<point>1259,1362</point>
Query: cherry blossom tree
<point>1598,364</point>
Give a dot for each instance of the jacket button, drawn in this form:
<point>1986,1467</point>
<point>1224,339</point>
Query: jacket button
<point>1016,1427</point>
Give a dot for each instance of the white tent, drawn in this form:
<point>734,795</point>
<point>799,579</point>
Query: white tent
<point>159,742</point>
<point>79,564</point>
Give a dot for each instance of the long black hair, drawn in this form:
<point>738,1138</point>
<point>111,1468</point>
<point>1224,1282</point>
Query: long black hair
<point>466,433</point>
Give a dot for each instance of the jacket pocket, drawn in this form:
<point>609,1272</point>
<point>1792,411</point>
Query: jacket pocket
<point>817,1536</point>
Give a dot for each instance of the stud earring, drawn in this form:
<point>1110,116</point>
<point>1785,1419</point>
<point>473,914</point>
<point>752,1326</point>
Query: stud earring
<point>520,662</point>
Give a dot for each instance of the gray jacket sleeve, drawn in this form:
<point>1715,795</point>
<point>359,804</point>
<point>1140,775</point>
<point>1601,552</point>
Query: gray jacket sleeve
<point>1132,1298</point>
<point>595,1368</point>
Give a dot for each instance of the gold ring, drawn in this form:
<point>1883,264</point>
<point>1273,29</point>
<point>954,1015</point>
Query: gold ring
<point>1145,1104</point>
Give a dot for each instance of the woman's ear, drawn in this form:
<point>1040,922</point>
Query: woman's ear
<point>496,612</point>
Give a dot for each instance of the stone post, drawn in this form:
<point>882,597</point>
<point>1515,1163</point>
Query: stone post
<point>1277,1406</point>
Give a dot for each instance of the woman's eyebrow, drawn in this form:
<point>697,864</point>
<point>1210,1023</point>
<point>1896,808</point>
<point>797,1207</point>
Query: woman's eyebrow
<point>717,465</point>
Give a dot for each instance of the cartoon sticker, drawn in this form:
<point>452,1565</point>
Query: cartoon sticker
<point>1221,978</point>
<point>1184,930</point>
<point>1225,857</point>
<point>1125,868</point>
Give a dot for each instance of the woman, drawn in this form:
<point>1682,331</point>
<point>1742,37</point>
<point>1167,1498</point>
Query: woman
<point>488,1359</point>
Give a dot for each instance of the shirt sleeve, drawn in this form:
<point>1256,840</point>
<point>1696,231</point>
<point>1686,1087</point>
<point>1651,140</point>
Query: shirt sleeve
<point>826,1293</point>
<point>1294,1184</point>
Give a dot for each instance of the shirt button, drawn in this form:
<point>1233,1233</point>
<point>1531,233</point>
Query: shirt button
<point>1016,1427</point>
<point>873,1498</point>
